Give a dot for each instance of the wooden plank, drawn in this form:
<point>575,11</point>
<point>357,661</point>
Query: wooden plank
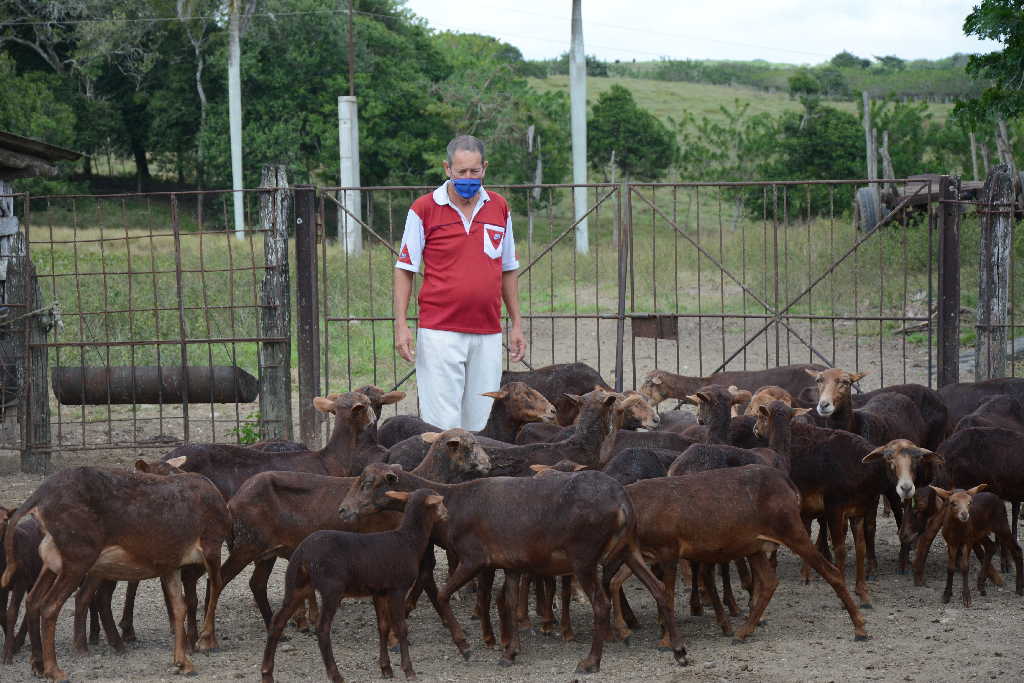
<point>275,321</point>
<point>994,274</point>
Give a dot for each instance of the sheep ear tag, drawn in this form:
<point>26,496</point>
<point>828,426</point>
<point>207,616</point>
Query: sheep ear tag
<point>495,237</point>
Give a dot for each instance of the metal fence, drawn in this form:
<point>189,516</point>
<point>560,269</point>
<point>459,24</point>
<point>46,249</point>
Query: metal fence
<point>689,277</point>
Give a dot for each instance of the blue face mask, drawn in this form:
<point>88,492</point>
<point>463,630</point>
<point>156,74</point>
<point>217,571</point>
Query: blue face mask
<point>467,187</point>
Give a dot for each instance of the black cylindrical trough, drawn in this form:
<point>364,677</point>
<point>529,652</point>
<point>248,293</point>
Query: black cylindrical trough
<point>152,384</point>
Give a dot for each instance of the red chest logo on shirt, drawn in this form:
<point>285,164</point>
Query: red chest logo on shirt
<point>495,237</point>
<point>404,255</point>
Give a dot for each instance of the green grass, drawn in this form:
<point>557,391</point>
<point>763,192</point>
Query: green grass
<point>670,98</point>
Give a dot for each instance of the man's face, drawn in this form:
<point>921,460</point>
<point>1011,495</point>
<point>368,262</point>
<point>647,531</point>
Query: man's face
<point>465,164</point>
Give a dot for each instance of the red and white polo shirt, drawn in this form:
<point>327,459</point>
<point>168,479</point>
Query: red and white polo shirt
<point>462,260</point>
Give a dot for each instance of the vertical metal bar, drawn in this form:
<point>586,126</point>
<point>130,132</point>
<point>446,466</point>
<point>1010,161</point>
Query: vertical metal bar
<point>654,270</point>
<point>308,320</point>
<point>182,325</point>
<point>700,306</point>
<point>675,269</point>
<point>775,266</point>
<point>625,239</point>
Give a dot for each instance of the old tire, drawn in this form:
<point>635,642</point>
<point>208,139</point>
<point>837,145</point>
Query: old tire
<point>866,210</point>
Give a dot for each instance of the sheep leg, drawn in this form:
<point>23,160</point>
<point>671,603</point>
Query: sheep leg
<point>870,522</point>
<point>619,630</point>
<point>523,605</point>
<point>984,552</point>
<point>1008,540</point>
<point>727,596</point>
<point>861,549</point>
<point>586,574</point>
<point>669,582</point>
<point>707,575</point>
<point>508,603</point>
<point>1014,514</point>
<point>398,623</point>
<point>696,605</point>
<point>127,623</point>
<point>797,540</point>
<point>924,543</point>
<point>380,606</point>
<point>952,560</point>
<point>485,583</point>
<point>767,581</point>
<point>567,633</point>
<point>457,578</point>
<point>17,593</point>
<point>323,636</point>
<point>294,596</point>
<point>964,555</point>
<point>746,578</point>
<point>545,597</point>
<point>83,602</point>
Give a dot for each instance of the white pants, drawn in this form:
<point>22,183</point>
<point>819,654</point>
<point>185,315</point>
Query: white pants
<point>452,370</point>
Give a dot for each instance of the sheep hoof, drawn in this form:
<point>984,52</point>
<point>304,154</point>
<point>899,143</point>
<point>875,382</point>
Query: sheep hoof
<point>465,655</point>
<point>680,657</point>
<point>505,662</point>
<point>866,605</point>
<point>738,641</point>
<point>861,639</point>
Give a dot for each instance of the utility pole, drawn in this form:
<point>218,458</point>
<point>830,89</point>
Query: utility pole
<point>578,118</point>
<point>235,114</point>
<point>351,232</point>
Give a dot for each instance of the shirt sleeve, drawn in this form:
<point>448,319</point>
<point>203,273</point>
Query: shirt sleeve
<point>411,252</point>
<point>508,248</point>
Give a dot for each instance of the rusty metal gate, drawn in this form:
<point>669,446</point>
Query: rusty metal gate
<point>688,277</point>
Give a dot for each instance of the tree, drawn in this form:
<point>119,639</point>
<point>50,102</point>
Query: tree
<point>890,63</point>
<point>803,82</point>
<point>847,60</point>
<point>1001,21</point>
<point>644,148</point>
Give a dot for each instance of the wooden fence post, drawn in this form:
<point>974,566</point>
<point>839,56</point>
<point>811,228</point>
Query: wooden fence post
<point>308,322</point>
<point>949,282</point>
<point>994,274</point>
<point>275,299</point>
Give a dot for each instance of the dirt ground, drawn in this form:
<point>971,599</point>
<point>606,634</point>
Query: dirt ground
<point>806,635</point>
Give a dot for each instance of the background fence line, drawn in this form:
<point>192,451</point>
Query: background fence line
<point>687,277</point>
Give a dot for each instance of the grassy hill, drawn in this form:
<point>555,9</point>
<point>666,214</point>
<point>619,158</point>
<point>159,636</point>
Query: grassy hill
<point>669,98</point>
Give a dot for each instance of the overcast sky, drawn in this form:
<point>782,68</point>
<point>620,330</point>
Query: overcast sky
<point>793,31</point>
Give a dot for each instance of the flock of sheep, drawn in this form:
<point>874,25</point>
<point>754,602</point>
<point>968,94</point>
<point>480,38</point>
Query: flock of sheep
<point>569,480</point>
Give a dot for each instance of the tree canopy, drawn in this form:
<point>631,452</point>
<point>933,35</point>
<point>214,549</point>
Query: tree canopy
<point>1003,22</point>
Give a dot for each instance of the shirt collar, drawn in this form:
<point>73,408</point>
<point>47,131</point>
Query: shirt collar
<point>441,197</point>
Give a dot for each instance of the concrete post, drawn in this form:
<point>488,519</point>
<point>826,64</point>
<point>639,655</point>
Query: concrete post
<point>578,118</point>
<point>349,230</point>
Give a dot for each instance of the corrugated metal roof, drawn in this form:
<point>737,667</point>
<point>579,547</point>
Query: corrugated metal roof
<point>23,145</point>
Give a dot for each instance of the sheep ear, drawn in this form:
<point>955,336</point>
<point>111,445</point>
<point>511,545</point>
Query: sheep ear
<point>141,465</point>
<point>540,468</point>
<point>977,489</point>
<point>693,400</point>
<point>875,455</point>
<point>333,397</point>
<point>392,477</point>
<point>610,399</point>
<point>812,373</point>
<point>578,467</point>
<point>397,495</point>
<point>453,443</point>
<point>496,395</point>
<point>763,410</point>
<point>392,397</point>
<point>433,500</point>
<point>324,405</point>
<point>575,398</point>
<point>177,462</point>
<point>942,493</point>
<point>702,397</point>
<point>655,380</point>
<point>933,458</point>
<point>429,437</point>
<point>857,376</point>
<point>801,411</point>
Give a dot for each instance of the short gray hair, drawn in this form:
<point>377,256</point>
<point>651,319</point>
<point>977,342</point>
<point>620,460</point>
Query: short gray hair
<point>465,143</point>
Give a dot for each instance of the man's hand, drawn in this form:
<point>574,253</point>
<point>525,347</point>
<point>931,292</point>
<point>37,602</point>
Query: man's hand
<point>404,343</point>
<point>517,343</point>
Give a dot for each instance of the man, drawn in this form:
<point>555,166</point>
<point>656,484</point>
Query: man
<point>463,236</point>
